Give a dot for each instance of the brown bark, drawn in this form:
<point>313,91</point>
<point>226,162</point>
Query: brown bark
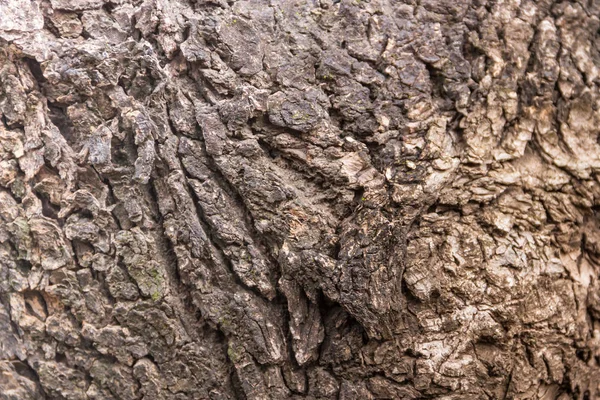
<point>299,199</point>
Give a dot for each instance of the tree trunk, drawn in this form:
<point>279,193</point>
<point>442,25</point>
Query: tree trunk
<point>299,199</point>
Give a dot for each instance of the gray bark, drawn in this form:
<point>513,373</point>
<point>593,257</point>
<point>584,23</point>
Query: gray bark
<point>299,199</point>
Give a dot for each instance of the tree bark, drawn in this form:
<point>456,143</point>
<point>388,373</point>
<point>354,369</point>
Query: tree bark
<point>299,199</point>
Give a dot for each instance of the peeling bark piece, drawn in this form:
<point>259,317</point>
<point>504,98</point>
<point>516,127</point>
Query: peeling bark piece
<point>135,249</point>
<point>116,378</point>
<point>21,16</point>
<point>322,384</point>
<point>76,5</point>
<point>17,385</point>
<point>100,25</point>
<point>252,381</point>
<point>298,110</point>
<point>99,146</point>
<point>146,372</point>
<point>305,323</point>
<point>31,163</point>
<point>67,24</point>
<point>60,380</point>
<point>248,261</point>
<point>144,164</point>
<point>370,283</point>
<point>116,341</point>
<point>244,44</point>
<point>52,252</point>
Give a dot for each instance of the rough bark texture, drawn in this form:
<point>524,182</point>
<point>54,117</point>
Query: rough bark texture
<point>299,199</point>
